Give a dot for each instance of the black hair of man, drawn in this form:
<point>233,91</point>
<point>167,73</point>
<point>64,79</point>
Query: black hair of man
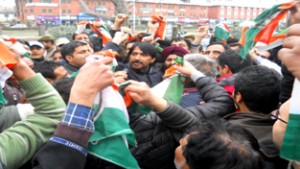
<point>189,43</point>
<point>69,48</point>
<point>233,60</point>
<point>146,48</point>
<point>46,68</point>
<point>75,34</point>
<point>259,87</point>
<point>218,144</point>
<point>63,87</point>
<point>225,46</point>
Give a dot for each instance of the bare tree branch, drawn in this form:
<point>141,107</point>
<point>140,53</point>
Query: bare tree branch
<point>120,7</point>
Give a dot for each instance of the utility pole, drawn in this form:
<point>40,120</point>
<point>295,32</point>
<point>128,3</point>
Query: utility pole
<point>134,16</point>
<point>60,21</point>
<point>161,13</point>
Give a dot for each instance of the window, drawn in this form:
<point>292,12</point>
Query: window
<point>44,10</point>
<point>69,2</point>
<point>69,11</point>
<point>31,11</point>
<point>63,11</point>
<point>49,10</point>
<point>49,1</point>
<point>62,1</point>
<point>30,1</point>
<point>25,10</point>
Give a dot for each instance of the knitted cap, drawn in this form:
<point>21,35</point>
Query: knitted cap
<point>177,50</point>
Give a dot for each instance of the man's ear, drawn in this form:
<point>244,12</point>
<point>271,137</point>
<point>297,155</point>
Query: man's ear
<point>153,60</point>
<point>238,97</point>
<point>228,71</point>
<point>69,58</point>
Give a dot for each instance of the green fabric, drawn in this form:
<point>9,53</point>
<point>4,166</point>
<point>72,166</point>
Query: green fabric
<point>174,91</point>
<point>253,31</point>
<point>3,101</point>
<point>290,147</point>
<point>221,34</point>
<point>250,34</point>
<point>20,142</point>
<point>112,132</point>
<point>267,14</point>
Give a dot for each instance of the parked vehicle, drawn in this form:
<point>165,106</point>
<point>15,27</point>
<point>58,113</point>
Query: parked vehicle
<point>19,26</point>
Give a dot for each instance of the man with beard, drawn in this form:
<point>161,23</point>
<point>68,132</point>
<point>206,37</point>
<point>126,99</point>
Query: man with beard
<point>142,57</point>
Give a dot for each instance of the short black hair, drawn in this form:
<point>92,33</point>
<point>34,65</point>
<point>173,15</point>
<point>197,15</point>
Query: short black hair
<point>233,60</point>
<point>259,87</point>
<point>189,43</point>
<point>75,34</point>
<point>146,48</point>
<point>225,46</point>
<point>69,48</point>
<point>63,87</point>
<point>46,68</point>
<point>218,144</point>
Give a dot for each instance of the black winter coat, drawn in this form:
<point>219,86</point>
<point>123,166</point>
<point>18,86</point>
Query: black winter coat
<point>158,134</point>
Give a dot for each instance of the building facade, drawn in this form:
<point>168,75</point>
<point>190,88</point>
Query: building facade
<point>55,12</point>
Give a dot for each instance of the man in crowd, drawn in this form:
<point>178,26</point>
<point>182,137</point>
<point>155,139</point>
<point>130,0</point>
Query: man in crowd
<point>37,50</point>
<point>169,55</point>
<point>142,57</point>
<point>229,63</point>
<point>215,49</point>
<point>81,37</point>
<point>75,53</point>
<point>48,42</point>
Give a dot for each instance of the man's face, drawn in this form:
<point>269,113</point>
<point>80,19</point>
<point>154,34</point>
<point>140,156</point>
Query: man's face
<point>82,37</point>
<point>181,43</point>
<point>139,60</point>
<point>295,14</point>
<point>179,160</point>
<point>171,60</point>
<point>37,52</point>
<point>47,44</point>
<point>223,71</point>
<point>214,51</point>
<point>79,55</point>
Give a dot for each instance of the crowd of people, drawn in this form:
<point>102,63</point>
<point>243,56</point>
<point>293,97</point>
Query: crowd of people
<point>233,112</point>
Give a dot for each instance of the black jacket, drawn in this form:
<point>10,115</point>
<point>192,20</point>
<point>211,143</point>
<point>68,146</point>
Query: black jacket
<point>260,125</point>
<point>158,134</point>
<point>151,76</point>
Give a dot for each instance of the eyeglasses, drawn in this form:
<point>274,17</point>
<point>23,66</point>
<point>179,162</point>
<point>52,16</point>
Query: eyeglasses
<point>275,115</point>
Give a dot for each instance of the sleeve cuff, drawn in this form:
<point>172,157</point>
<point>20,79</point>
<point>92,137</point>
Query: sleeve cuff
<point>196,75</point>
<point>73,134</point>
<point>79,116</point>
<point>259,59</point>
